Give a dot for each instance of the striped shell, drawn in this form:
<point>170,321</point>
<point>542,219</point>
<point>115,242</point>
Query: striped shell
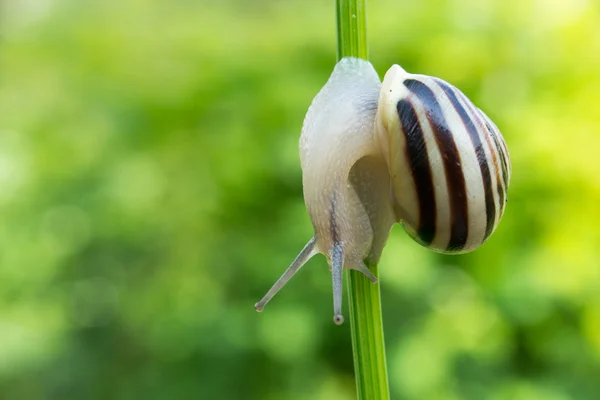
<point>449,163</point>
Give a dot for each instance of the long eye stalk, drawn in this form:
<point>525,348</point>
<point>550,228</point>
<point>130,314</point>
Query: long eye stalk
<point>337,266</point>
<point>306,254</point>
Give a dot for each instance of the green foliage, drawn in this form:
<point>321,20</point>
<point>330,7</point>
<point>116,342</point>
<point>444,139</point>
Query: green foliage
<point>150,193</point>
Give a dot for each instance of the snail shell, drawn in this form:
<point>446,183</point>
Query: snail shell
<point>413,150</point>
<point>449,163</point>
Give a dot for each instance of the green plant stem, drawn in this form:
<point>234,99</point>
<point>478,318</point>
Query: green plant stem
<point>368,346</point>
<point>364,297</point>
<point>351,18</point>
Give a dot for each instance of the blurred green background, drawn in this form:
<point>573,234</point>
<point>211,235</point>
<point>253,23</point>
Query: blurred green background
<point>150,194</point>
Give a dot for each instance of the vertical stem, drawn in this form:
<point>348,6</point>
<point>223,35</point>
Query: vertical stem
<point>364,297</point>
<point>351,18</point>
<point>368,346</point>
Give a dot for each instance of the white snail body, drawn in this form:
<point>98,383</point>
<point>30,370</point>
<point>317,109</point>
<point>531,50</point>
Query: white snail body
<point>412,150</point>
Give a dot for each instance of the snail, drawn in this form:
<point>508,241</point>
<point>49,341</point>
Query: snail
<point>412,150</point>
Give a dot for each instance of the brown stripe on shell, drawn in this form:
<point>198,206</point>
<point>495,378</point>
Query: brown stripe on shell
<point>503,165</point>
<point>495,154</point>
<point>455,179</point>
<point>501,150</point>
<point>484,168</point>
<point>421,170</point>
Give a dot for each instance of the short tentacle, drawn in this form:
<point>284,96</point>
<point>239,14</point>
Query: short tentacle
<point>361,267</point>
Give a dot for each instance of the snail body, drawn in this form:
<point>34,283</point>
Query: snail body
<point>411,150</point>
